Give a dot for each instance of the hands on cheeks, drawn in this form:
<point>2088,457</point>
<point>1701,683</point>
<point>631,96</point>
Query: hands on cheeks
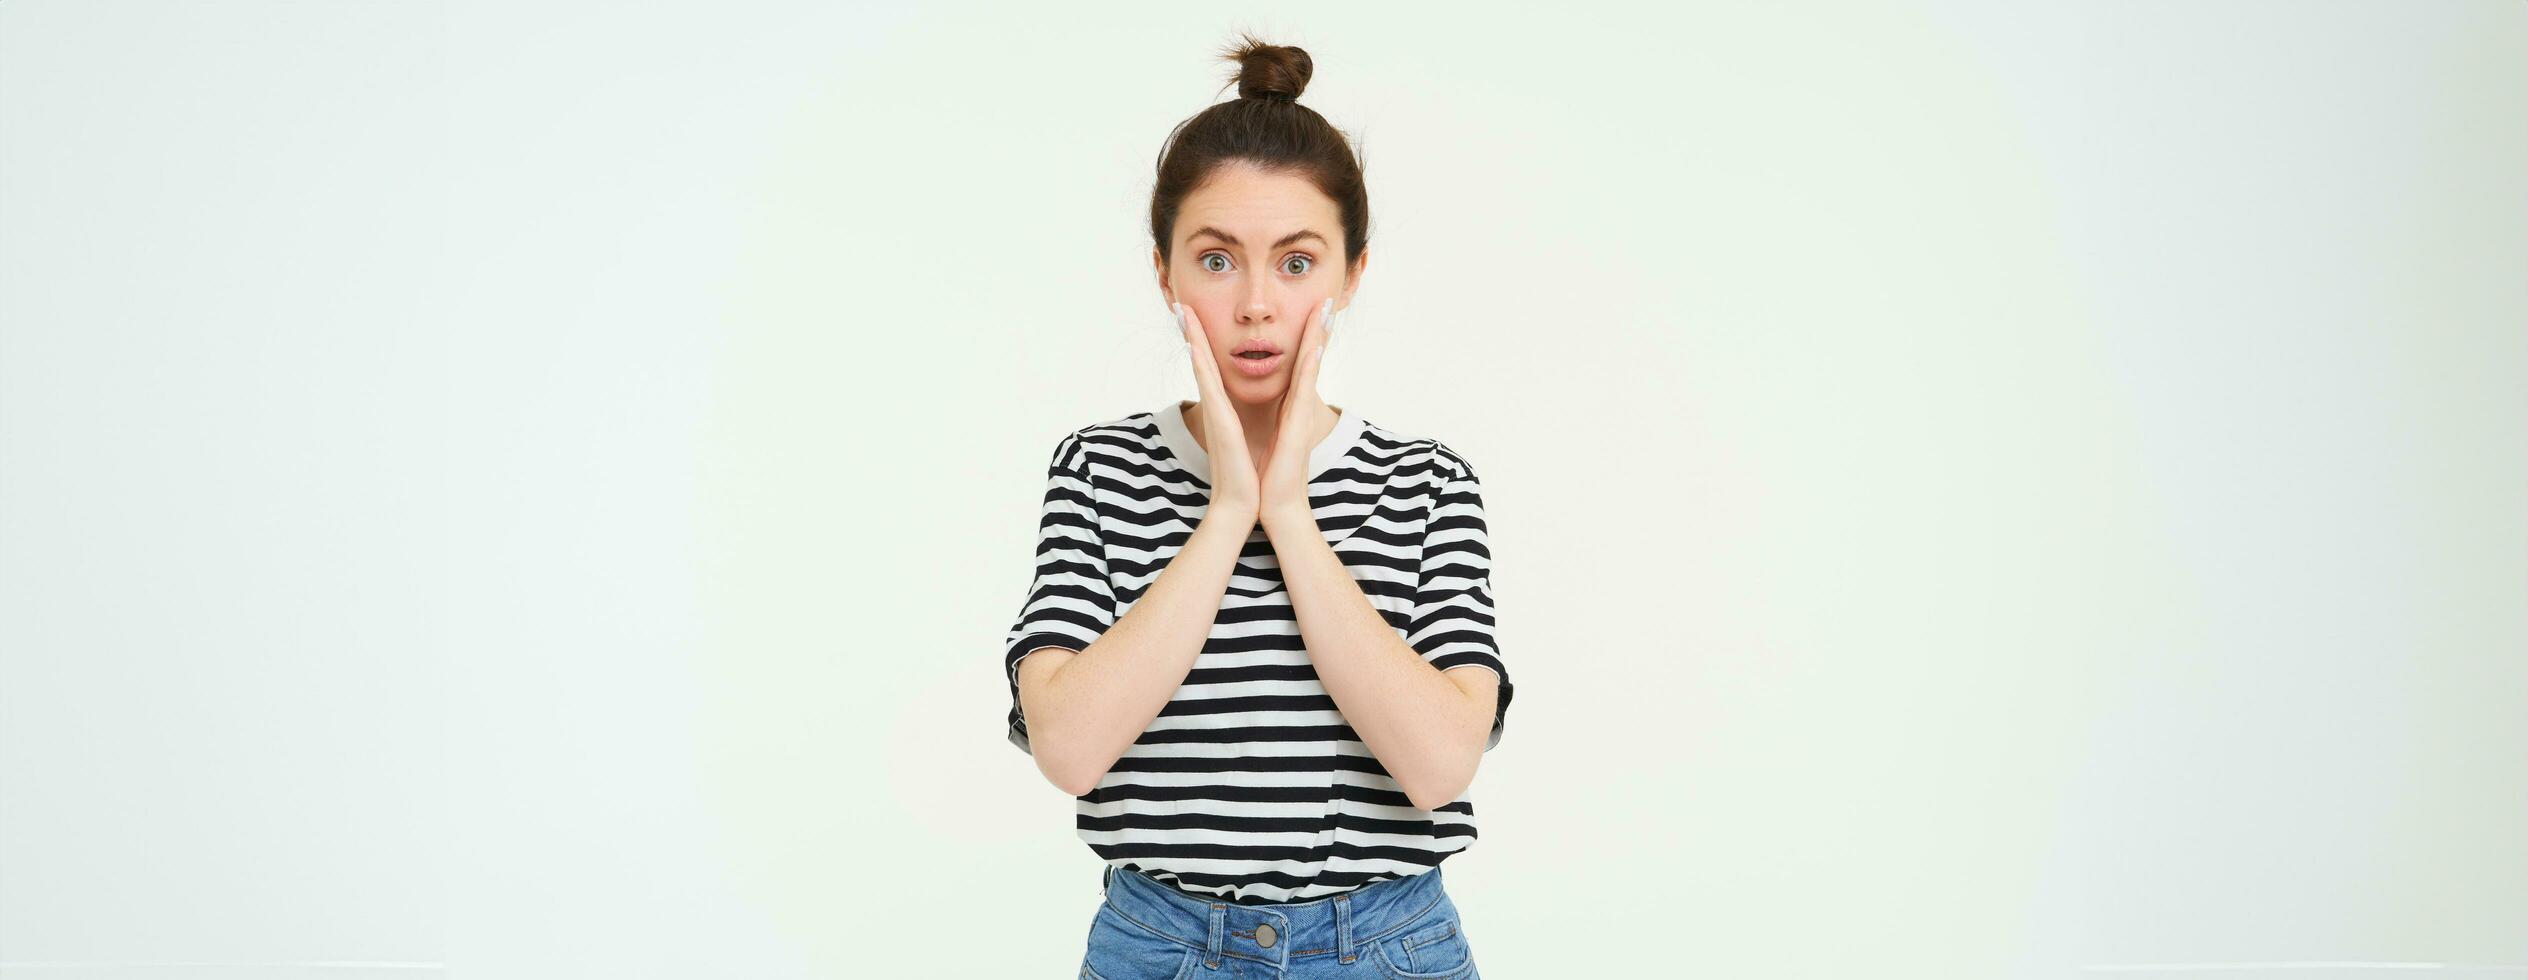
<point>1283,481</point>
<point>1275,490</point>
<point>1233,492</point>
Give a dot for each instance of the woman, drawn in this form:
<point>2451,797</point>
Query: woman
<point>1243,648</point>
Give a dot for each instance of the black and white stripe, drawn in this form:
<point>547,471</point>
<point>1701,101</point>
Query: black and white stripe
<point>1249,786</point>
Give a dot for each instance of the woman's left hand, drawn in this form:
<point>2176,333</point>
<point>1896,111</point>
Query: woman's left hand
<point>1284,478</point>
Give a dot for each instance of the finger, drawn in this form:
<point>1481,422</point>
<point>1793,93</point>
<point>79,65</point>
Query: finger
<point>1311,337</point>
<point>1295,410</point>
<point>1302,395</point>
<point>1216,413</point>
<point>1207,384</point>
<point>1316,352</point>
<point>1193,358</point>
<point>1198,349</point>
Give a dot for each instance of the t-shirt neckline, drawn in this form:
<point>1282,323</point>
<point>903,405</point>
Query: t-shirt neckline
<point>1179,441</point>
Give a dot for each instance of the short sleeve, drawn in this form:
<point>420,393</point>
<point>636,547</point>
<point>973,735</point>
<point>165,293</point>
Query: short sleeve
<point>1452,624</point>
<point>1069,600</point>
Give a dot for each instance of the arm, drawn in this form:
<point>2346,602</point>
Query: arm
<point>1426,726</point>
<point>1086,707</point>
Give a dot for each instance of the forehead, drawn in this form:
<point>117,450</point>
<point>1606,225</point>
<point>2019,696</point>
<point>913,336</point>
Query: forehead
<point>1258,207</point>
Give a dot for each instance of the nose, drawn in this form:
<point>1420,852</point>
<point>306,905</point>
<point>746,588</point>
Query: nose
<point>1257,307</point>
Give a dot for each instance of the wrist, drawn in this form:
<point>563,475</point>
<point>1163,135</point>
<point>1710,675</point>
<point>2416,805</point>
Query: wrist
<point>1233,517</point>
<point>1293,517</point>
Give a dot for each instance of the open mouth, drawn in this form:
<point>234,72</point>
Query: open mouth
<point>1257,363</point>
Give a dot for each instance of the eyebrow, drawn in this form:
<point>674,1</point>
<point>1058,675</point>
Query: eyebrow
<point>1225,236</point>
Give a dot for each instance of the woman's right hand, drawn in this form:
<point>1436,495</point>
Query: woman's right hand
<point>1236,490</point>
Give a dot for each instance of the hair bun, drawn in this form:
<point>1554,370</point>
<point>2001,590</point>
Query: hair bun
<point>1270,71</point>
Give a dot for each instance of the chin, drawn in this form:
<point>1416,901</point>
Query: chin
<point>1259,391</point>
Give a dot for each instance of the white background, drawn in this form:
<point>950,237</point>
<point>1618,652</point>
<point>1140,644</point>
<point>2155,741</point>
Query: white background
<point>1977,489</point>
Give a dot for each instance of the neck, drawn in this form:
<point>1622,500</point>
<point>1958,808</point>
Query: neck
<point>1262,424</point>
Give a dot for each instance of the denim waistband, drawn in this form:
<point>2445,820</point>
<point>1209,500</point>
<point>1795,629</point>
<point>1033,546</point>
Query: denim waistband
<point>1339,924</point>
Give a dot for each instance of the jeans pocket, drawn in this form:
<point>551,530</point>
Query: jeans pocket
<point>1427,951</point>
<point>1121,949</point>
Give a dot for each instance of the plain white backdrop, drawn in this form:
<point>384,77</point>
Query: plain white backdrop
<point>1977,489</point>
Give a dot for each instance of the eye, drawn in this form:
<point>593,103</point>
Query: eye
<point>1205,260</point>
<point>1303,270</point>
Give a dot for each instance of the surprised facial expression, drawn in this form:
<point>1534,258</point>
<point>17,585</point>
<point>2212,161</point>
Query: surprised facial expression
<point>1254,254</point>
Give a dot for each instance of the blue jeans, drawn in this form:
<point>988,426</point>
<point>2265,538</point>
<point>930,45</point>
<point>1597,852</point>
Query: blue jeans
<point>1397,929</point>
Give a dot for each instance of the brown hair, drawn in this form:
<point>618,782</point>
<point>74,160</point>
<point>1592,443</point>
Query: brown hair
<point>1267,127</point>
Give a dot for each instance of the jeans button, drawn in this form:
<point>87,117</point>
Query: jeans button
<point>1264,935</point>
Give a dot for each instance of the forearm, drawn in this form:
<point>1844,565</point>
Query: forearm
<point>1092,706</point>
<point>1425,730</point>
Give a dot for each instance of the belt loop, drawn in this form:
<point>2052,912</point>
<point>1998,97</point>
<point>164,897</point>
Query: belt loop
<point>1219,926</point>
<point>1106,880</point>
<point>1343,927</point>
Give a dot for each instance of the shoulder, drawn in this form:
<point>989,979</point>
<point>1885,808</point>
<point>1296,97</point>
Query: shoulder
<point>1448,460</point>
<point>1134,433</point>
<point>1419,454</point>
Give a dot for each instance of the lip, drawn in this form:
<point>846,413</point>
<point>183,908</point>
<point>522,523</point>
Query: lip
<point>1257,367</point>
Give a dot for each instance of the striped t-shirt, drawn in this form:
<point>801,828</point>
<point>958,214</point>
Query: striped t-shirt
<point>1249,785</point>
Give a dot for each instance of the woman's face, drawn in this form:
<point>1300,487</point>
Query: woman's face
<point>1254,254</point>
